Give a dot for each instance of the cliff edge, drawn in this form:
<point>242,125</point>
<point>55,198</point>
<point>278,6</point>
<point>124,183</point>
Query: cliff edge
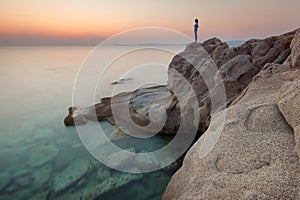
<point>257,154</point>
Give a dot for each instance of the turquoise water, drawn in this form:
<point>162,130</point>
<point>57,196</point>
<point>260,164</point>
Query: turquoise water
<point>40,158</point>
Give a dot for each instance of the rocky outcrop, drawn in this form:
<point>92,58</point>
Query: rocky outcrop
<point>257,153</point>
<point>139,102</point>
<point>237,66</point>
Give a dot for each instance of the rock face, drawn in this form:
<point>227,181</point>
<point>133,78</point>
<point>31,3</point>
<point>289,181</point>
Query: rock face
<point>295,46</point>
<point>257,154</point>
<point>288,101</point>
<point>237,66</point>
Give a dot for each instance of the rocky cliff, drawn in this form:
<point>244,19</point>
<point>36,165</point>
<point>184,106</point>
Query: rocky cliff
<point>237,66</point>
<point>257,154</point>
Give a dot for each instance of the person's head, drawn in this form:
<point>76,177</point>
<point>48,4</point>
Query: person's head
<point>196,20</point>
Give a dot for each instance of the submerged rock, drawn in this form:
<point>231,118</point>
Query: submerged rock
<point>24,181</point>
<point>115,181</point>
<point>42,175</point>
<point>5,179</point>
<point>63,159</point>
<point>120,158</point>
<point>41,154</point>
<point>70,175</point>
<point>102,173</point>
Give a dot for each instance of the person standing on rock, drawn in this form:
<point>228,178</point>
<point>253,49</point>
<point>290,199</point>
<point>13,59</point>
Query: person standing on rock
<point>196,29</point>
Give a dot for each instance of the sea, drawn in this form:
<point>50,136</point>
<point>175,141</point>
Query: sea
<point>41,158</point>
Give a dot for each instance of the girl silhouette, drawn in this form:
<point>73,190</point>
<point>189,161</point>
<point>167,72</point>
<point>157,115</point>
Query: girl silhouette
<point>196,29</point>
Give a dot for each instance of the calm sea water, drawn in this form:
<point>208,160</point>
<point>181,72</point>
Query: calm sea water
<point>40,158</point>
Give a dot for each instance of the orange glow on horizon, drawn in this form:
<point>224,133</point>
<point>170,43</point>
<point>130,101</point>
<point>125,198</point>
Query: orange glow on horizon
<point>78,19</point>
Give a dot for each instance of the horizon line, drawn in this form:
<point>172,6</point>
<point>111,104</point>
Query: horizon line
<point>116,45</point>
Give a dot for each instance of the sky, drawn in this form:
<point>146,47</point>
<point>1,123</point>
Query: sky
<point>79,22</point>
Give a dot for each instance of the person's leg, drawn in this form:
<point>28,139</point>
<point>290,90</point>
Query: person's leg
<point>195,32</point>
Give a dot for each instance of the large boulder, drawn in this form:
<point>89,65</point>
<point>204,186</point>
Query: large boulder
<point>237,66</point>
<point>257,153</point>
<point>254,157</point>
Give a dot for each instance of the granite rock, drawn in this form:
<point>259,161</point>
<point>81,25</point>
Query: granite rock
<point>257,153</point>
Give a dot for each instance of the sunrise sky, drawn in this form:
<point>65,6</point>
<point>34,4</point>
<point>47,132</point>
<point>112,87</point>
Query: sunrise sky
<point>52,22</point>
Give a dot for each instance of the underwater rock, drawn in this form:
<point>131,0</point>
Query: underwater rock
<point>42,175</point>
<point>4,179</point>
<point>11,188</point>
<point>41,154</point>
<point>115,181</point>
<point>63,159</point>
<point>120,158</point>
<point>102,173</point>
<point>24,181</point>
<point>147,162</point>
<point>70,175</point>
<point>41,195</point>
